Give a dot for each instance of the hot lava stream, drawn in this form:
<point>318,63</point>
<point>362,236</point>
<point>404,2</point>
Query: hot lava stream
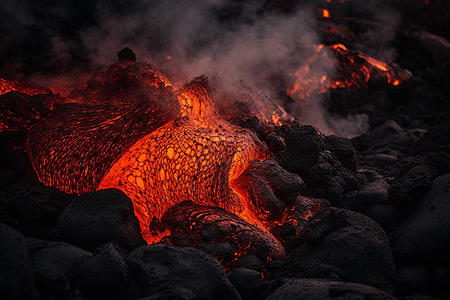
<point>128,128</point>
<point>193,177</point>
<point>354,71</point>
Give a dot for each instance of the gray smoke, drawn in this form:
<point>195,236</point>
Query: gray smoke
<point>229,41</point>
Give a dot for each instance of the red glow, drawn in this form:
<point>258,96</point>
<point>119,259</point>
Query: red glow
<point>325,12</point>
<point>355,70</point>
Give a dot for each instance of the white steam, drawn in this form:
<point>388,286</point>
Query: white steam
<point>264,51</point>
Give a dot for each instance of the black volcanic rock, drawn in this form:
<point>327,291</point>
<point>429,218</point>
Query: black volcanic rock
<point>249,261</point>
<point>423,237</point>
<point>386,215</point>
<point>103,275</point>
<point>248,283</point>
<point>343,149</point>
<point>158,267</point>
<point>408,188</point>
<point>37,208</point>
<point>375,192</point>
<point>51,263</point>
<point>96,218</point>
<point>303,147</point>
<point>329,179</point>
<point>311,289</point>
<point>172,293</point>
<point>412,279</point>
<point>350,245</point>
<point>268,186</point>
<point>126,54</point>
<point>16,278</point>
<point>437,138</point>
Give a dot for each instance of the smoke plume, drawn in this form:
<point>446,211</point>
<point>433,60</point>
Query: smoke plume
<point>268,45</point>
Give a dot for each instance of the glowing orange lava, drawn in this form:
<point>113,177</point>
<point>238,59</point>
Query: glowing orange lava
<point>129,129</point>
<point>355,70</point>
<point>189,159</point>
<point>325,12</point>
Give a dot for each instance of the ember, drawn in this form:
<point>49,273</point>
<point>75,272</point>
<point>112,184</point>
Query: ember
<point>355,70</point>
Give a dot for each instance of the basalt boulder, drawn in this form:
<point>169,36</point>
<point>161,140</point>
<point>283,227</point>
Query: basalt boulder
<point>158,267</point>
<point>95,218</point>
<point>16,277</point>
<point>51,263</point>
<point>344,246</point>
<point>309,289</point>
<point>423,237</point>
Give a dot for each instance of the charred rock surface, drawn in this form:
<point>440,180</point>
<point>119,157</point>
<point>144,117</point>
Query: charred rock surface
<point>51,263</point>
<point>269,188</point>
<point>342,245</point>
<point>93,219</point>
<point>191,225</point>
<point>159,268</point>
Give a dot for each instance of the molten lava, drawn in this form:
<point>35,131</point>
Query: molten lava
<point>355,70</point>
<point>361,68</point>
<point>129,129</point>
<point>193,158</point>
<point>325,12</point>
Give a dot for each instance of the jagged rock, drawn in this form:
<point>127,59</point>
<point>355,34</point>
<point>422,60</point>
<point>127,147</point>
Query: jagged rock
<point>387,131</point>
<point>303,147</point>
<point>329,179</point>
<point>16,277</point>
<point>154,267</point>
<point>269,187</point>
<point>96,218</point>
<point>423,237</point>
<point>248,283</point>
<point>343,149</point>
<point>103,275</point>
<point>250,262</point>
<point>407,189</point>
<point>275,143</point>
<point>309,289</point>
<point>51,263</point>
<point>375,192</point>
<point>347,246</point>
<point>295,219</point>
<point>330,189</point>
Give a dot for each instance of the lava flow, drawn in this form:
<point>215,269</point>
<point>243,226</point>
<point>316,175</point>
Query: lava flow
<point>186,159</point>
<point>128,128</point>
<point>355,71</point>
